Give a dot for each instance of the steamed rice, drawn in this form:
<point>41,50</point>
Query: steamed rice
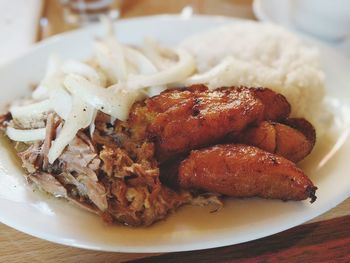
<point>263,55</point>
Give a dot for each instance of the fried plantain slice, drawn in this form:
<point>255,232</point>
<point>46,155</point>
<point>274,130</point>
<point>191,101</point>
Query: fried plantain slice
<point>291,142</point>
<point>277,108</point>
<point>180,120</point>
<point>184,119</point>
<point>244,171</point>
<point>302,126</point>
<point>262,136</point>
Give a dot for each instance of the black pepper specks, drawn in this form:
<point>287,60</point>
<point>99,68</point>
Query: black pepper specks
<point>195,108</point>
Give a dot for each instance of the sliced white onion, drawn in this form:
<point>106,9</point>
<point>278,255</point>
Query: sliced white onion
<point>53,68</point>
<point>52,85</point>
<point>160,56</point>
<point>61,102</point>
<point>40,92</point>
<point>112,101</point>
<point>206,77</point>
<point>156,90</point>
<point>31,110</point>
<point>182,69</point>
<point>80,117</point>
<point>145,67</point>
<point>26,135</point>
<point>53,82</point>
<point>111,58</point>
<point>76,67</point>
<point>150,50</point>
<point>143,64</point>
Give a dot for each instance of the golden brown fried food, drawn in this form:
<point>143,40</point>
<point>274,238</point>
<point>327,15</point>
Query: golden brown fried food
<point>277,107</point>
<point>291,143</point>
<point>244,171</point>
<point>180,120</point>
<point>302,126</point>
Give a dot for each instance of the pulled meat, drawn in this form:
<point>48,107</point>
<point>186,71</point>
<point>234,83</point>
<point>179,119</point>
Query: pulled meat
<point>136,196</point>
<point>109,174</point>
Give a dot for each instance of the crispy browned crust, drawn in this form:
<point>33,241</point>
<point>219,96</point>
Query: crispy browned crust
<point>277,107</point>
<point>292,143</point>
<point>183,119</point>
<point>304,127</point>
<point>262,136</point>
<point>244,171</point>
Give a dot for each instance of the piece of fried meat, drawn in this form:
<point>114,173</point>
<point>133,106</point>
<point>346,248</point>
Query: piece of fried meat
<point>180,120</point>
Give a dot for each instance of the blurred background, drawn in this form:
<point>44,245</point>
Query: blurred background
<point>24,22</point>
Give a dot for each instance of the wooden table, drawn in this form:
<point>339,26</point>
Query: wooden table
<point>326,238</point>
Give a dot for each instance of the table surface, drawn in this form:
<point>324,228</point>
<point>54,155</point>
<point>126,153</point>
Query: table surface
<point>327,237</point>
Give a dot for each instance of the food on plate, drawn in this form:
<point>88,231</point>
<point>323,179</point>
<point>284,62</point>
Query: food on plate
<point>133,133</point>
<point>180,120</point>
<point>240,170</point>
<point>293,142</point>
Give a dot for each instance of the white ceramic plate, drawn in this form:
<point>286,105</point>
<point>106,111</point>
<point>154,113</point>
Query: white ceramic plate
<point>191,227</point>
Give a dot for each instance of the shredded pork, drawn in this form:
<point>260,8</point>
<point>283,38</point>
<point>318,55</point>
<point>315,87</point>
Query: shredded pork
<point>106,172</point>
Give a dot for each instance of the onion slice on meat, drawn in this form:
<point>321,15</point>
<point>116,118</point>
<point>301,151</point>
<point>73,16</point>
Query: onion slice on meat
<point>30,110</point>
<point>182,69</point>
<point>112,101</point>
<point>160,56</point>
<point>143,64</point>
<point>145,67</point>
<point>52,71</point>
<point>76,67</point>
<point>206,77</point>
<point>61,102</point>
<point>80,117</point>
<point>26,135</point>
<point>111,58</point>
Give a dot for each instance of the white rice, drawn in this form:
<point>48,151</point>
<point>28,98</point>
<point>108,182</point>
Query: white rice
<point>264,55</point>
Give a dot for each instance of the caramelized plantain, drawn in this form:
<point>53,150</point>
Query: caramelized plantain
<point>244,171</point>
<point>293,142</point>
<point>277,107</point>
<point>181,120</point>
<point>184,119</point>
